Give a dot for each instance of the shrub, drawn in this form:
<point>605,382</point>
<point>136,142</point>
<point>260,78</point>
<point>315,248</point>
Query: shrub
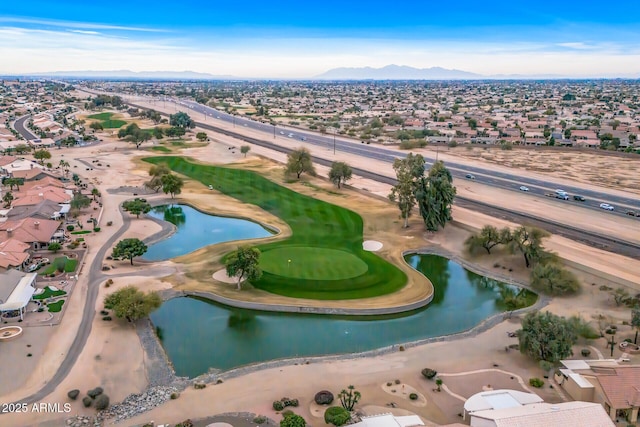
<point>585,352</point>
<point>546,366</point>
<point>536,382</point>
<point>452,144</point>
<point>102,402</point>
<point>109,223</point>
<point>93,393</point>
<point>336,415</point>
<point>389,384</point>
<point>278,405</point>
<point>429,373</point>
<point>107,318</point>
<point>96,229</point>
<point>87,401</point>
<point>185,423</point>
<point>506,146</point>
<point>401,348</point>
<point>73,394</point>
<point>397,381</point>
<point>199,386</point>
<point>324,397</point>
<point>175,395</point>
<point>70,228</point>
<point>294,403</point>
<point>288,413</point>
<point>260,419</point>
<point>413,396</point>
<point>110,282</point>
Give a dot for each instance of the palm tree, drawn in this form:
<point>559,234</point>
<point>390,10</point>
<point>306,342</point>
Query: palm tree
<point>94,193</point>
<point>7,199</point>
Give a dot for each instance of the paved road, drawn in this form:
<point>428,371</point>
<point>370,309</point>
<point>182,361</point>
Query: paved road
<point>482,175</point>
<point>95,279</point>
<point>21,128</point>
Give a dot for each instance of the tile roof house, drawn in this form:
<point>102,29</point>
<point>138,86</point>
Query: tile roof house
<point>13,254</point>
<point>606,382</point>
<point>36,232</point>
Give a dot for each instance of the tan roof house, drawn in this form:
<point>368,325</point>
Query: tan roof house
<point>36,232</point>
<point>606,382</point>
<point>13,254</point>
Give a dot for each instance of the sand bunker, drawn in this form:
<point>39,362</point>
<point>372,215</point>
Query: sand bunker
<point>221,276</point>
<point>371,245</point>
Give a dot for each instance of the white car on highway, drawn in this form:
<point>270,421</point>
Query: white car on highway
<point>524,188</point>
<point>606,206</point>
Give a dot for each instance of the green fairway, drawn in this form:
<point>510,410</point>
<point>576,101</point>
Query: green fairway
<point>317,226</point>
<point>101,116</point>
<point>161,149</point>
<point>106,121</point>
<point>312,263</point>
<point>113,124</point>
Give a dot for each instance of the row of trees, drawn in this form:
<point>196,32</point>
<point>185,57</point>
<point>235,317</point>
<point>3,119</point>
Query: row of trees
<point>547,275</point>
<point>433,193</point>
<point>299,161</point>
<point>162,178</point>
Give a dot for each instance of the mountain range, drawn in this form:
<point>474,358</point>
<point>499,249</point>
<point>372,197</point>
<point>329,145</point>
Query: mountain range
<point>389,72</point>
<point>397,72</point>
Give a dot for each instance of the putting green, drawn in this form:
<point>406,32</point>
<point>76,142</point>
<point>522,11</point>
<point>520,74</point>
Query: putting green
<point>311,263</point>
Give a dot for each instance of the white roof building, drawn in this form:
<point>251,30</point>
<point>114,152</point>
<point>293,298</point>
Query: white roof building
<point>389,420</point>
<point>16,289</point>
<point>583,414</point>
<point>499,399</point>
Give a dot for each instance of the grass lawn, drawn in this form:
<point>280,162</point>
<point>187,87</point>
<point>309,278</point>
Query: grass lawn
<point>48,293</point>
<point>101,116</point>
<point>113,124</point>
<point>327,259</point>
<point>106,121</point>
<point>55,307</point>
<point>69,265</point>
<point>161,149</point>
<point>81,232</point>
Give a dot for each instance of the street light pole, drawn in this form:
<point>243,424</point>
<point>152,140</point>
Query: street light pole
<point>334,141</point>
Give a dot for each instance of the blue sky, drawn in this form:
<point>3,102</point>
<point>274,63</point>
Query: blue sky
<point>302,39</point>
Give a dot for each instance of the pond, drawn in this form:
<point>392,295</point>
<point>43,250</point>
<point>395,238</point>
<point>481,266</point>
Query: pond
<point>195,229</point>
<point>199,334</point>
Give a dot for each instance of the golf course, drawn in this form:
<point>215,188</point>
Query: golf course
<point>323,259</point>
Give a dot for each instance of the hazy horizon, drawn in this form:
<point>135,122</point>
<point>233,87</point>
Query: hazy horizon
<point>281,41</point>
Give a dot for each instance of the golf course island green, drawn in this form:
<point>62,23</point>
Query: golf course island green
<point>323,259</point>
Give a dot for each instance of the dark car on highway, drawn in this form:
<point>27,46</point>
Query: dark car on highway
<point>578,198</point>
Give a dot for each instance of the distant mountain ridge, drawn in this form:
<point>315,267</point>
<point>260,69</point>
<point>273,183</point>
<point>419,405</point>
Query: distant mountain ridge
<point>181,75</point>
<point>397,72</point>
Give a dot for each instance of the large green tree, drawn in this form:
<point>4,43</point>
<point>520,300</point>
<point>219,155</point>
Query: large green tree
<point>244,263</point>
<point>14,181</point>
<point>408,171</point>
<point>545,336</point>
<point>434,195</point>
<point>299,162</point>
<point>7,198</point>
<point>528,241</point>
<point>340,173</point>
<point>171,184</point>
<point>79,202</point>
<point>181,120</point>
<point>487,239</point>
<point>157,172</point>
<point>42,155</point>
<point>552,279</point>
<point>292,420</point>
<point>129,249</point>
<point>132,304</point>
<point>136,206</point>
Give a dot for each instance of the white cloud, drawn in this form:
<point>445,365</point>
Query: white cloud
<point>75,24</point>
<point>28,50</point>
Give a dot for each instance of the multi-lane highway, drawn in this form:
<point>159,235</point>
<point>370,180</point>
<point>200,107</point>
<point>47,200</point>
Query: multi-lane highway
<point>482,175</point>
